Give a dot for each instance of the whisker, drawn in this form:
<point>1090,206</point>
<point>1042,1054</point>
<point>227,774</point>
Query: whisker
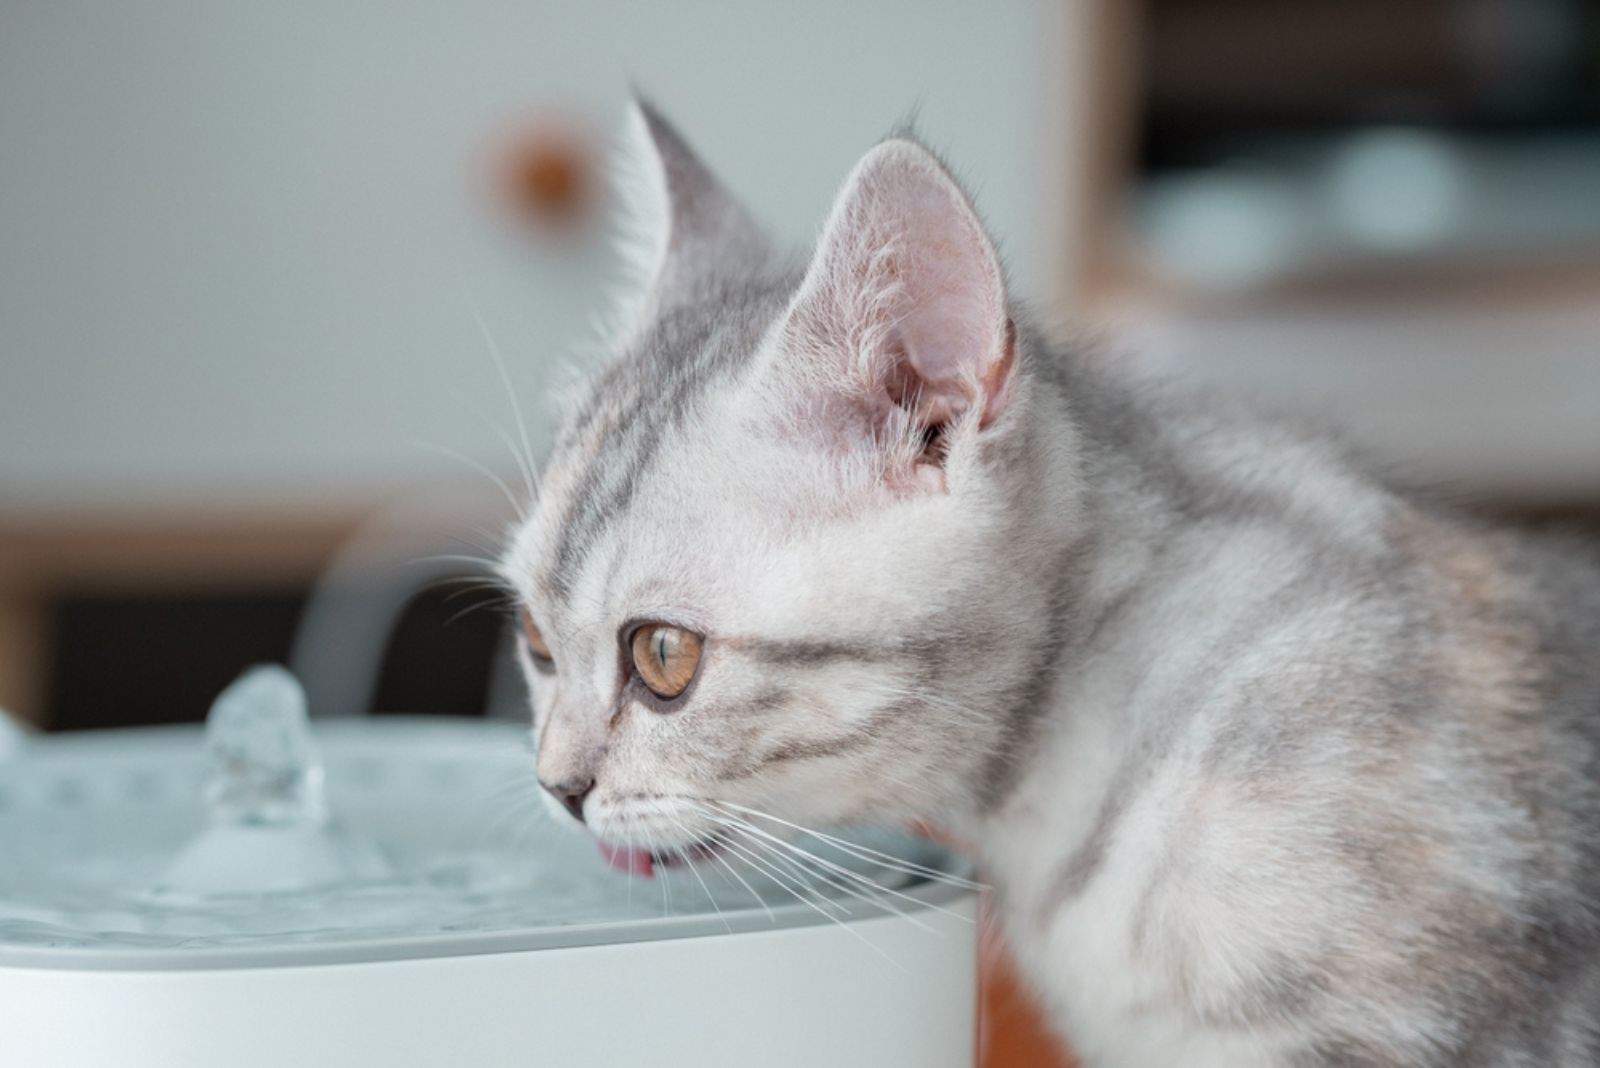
<point>871,894</point>
<point>861,852</point>
<point>501,596</point>
<point>801,874</point>
<point>484,562</point>
<point>524,466</point>
<point>876,900</point>
<point>632,845</point>
<point>745,859</point>
<point>846,872</point>
<point>483,582</point>
<point>666,895</point>
<point>688,863</point>
<point>857,935</point>
<point>490,552</point>
<point>785,880</point>
<point>526,458</point>
<point>471,608</point>
<point>759,900</point>
<point>514,800</point>
<point>517,508</point>
<point>718,857</point>
<point>492,537</point>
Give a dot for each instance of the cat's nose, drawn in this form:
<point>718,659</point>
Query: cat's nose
<point>571,794</point>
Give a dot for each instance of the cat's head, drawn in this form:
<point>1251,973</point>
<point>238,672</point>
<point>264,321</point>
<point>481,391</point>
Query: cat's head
<point>784,553</point>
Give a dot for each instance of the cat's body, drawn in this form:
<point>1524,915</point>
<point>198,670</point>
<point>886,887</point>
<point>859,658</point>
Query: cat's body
<point>1268,764</point>
<point>1317,779</point>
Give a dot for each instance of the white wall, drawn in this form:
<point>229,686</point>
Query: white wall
<point>240,242</point>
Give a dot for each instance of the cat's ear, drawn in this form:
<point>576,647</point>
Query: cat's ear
<point>905,298</point>
<point>684,233</point>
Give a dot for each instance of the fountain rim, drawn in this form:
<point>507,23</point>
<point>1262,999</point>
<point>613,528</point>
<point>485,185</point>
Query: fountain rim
<point>928,896</point>
<point>102,745</point>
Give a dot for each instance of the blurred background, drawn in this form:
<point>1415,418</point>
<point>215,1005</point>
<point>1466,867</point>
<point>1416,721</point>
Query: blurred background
<point>261,267</point>
<point>255,262</point>
<point>277,280</point>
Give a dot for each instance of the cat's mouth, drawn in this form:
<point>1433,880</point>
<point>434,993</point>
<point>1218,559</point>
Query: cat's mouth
<point>631,860</point>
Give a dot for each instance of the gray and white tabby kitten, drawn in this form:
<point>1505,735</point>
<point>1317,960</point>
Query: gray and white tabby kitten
<point>1269,765</point>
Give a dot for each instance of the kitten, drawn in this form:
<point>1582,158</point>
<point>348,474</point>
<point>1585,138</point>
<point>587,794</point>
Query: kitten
<point>1268,764</point>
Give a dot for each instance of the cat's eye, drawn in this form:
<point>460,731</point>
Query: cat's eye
<point>665,658</point>
<point>537,646</point>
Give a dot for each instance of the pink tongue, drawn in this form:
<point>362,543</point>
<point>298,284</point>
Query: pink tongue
<point>627,860</point>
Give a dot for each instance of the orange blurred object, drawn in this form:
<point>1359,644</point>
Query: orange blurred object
<point>548,171</point>
<point>1012,1032</point>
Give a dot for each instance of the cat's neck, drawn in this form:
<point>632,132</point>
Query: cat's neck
<point>1097,522</point>
<point>1161,484</point>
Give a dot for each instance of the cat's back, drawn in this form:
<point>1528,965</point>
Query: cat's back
<point>1370,748</point>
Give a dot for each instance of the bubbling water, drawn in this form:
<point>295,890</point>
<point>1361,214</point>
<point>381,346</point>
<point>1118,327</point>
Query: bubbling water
<point>268,829</point>
<point>264,766</point>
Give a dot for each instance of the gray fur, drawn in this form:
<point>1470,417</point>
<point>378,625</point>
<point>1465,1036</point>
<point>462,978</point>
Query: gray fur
<point>1270,763</point>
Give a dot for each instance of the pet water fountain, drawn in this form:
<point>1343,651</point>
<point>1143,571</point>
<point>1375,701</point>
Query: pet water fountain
<point>279,890</point>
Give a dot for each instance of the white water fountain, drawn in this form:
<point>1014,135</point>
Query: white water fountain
<point>364,892</point>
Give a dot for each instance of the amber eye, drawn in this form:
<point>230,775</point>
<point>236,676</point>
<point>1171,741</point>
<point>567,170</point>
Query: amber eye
<point>536,642</point>
<point>665,658</point>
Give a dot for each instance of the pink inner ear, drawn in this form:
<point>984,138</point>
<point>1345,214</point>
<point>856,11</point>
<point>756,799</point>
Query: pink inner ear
<point>906,288</point>
<point>949,316</point>
<point>942,331</point>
